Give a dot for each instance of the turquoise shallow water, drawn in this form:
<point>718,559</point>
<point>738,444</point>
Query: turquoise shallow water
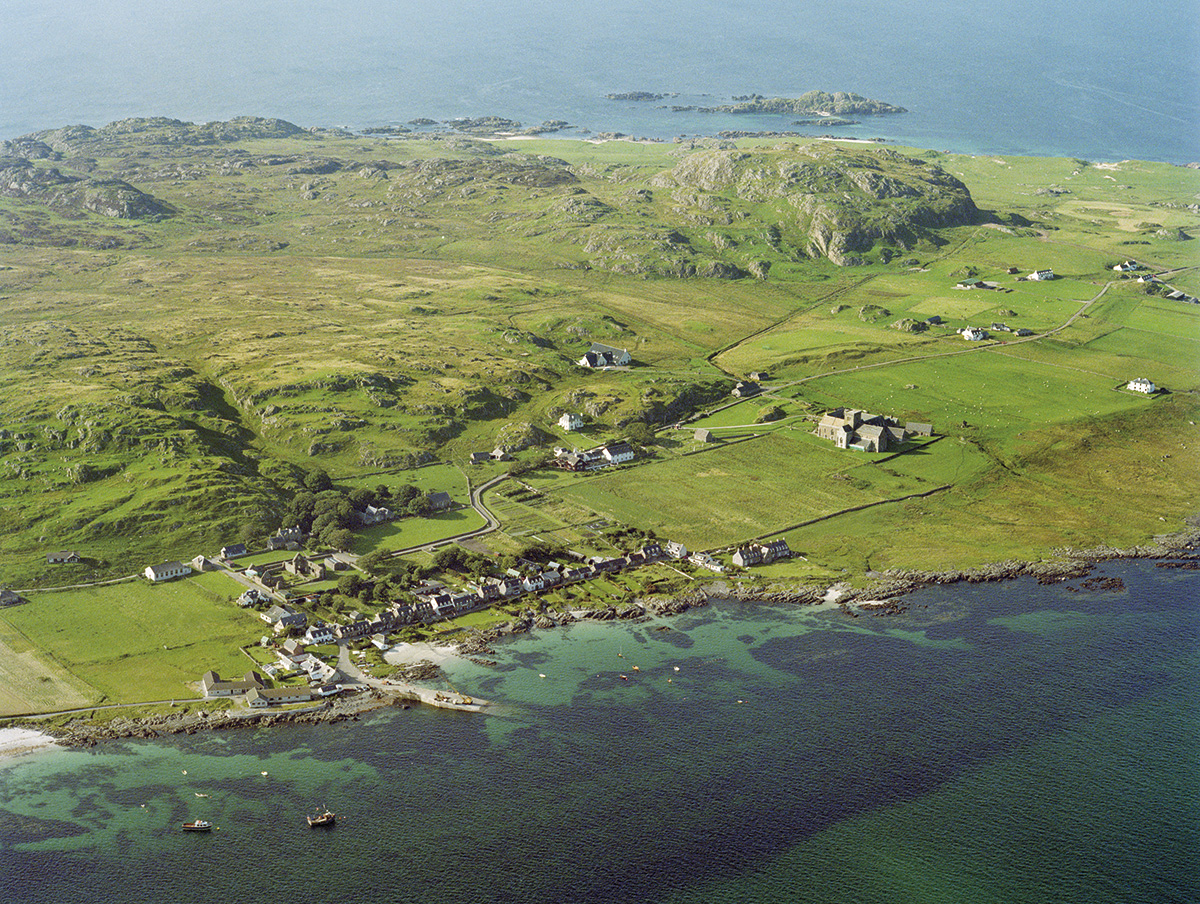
<point>997,743</point>
<point>1101,79</point>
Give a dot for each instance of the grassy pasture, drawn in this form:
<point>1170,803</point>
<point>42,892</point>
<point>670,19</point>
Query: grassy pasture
<point>735,491</point>
<point>998,395</point>
<point>1112,480</point>
<point>137,641</point>
<point>416,531</point>
<point>361,324</point>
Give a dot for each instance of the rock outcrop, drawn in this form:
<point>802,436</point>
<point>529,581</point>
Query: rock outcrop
<point>834,202</point>
<point>21,180</point>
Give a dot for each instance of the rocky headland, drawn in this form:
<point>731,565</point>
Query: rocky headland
<point>88,733</point>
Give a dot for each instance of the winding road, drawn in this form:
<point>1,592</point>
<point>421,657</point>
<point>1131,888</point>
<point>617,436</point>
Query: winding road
<point>492,522</point>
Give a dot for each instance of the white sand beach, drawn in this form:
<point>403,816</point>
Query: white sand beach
<point>19,741</point>
<point>412,653</point>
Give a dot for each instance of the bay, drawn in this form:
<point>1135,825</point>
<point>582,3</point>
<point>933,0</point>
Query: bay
<point>1010,742</point>
<point>1102,80</point>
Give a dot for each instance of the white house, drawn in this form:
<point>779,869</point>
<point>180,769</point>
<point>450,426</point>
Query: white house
<point>704,560</point>
<point>974,333</point>
<point>166,571</point>
<point>571,422</point>
<point>1127,266</point>
<point>319,634</point>
<point>676,550</point>
<point>275,696</point>
<point>1141,384</point>
<point>618,453</point>
<point>1041,275</point>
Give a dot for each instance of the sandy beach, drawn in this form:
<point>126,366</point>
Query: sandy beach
<point>413,653</point>
<point>19,741</point>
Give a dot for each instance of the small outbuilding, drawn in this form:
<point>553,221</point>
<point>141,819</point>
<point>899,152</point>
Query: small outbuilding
<point>62,558</point>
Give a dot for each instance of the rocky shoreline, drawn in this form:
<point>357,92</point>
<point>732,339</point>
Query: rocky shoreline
<point>82,733</point>
<point>883,596</point>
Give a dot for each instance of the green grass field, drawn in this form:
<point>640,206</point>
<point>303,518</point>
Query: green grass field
<point>166,386</point>
<point>405,532</point>
<point>737,491</point>
<point>134,641</point>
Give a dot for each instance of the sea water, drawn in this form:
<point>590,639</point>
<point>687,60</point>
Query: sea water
<point>1010,743</point>
<point>1101,79</point>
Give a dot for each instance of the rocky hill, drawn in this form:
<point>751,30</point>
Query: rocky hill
<point>21,180</point>
<point>831,201</point>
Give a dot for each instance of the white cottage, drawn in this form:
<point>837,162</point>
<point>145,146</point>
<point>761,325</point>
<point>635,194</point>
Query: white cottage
<point>166,571</point>
<point>1141,384</point>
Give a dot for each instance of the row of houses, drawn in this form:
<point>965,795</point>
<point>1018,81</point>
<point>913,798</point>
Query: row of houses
<point>591,459</point>
<point>761,553</point>
<point>434,601</point>
<point>292,658</point>
<point>978,333</point>
<point>284,619</point>
<point>254,688</point>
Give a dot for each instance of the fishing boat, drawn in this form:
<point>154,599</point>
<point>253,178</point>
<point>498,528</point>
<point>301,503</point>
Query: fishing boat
<point>199,825</point>
<point>323,819</point>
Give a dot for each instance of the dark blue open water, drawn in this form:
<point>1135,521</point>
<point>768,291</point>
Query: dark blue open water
<point>1008,743</point>
<point>1098,79</point>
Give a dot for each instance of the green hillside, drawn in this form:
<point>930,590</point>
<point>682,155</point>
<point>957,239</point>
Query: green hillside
<point>193,317</point>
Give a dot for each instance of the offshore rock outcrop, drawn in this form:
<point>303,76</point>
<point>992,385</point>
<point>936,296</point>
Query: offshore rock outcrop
<point>837,103</point>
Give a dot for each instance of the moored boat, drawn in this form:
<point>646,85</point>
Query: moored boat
<point>199,825</point>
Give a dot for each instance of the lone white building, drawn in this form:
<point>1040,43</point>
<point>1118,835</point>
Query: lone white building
<point>166,571</point>
<point>1141,384</point>
<point>571,422</point>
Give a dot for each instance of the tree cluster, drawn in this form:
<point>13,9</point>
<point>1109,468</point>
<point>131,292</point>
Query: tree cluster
<point>328,513</point>
<point>455,558</point>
